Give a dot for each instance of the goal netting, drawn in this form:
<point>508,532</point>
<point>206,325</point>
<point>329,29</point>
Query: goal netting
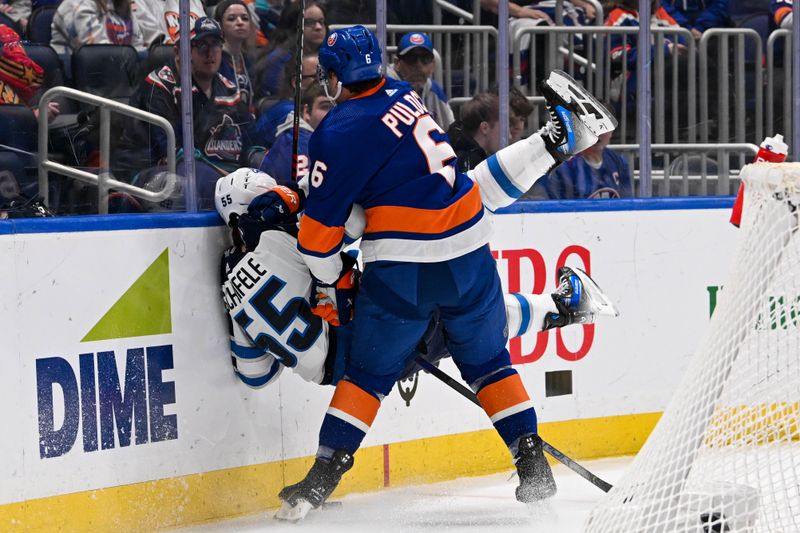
<point>725,456</point>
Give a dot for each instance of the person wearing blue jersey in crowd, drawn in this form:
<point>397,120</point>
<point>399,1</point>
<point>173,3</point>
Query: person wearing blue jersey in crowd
<point>237,28</point>
<point>425,250</point>
<point>699,15</point>
<point>597,172</point>
<point>278,161</point>
<point>274,112</point>
<point>415,64</point>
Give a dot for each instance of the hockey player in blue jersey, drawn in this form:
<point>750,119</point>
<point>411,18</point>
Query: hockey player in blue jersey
<point>425,248</point>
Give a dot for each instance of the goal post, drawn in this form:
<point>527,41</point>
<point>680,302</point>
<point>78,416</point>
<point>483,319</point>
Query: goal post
<point>725,456</point>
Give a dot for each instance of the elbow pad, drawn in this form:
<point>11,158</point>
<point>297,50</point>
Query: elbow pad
<point>511,172</point>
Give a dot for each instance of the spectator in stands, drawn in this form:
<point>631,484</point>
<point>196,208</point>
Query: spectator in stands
<point>171,17</point>
<point>149,15</point>
<point>625,14</point>
<point>576,12</point>
<point>278,161</point>
<point>519,111</point>
<point>20,76</point>
<point>19,11</point>
<point>781,12</point>
<point>415,64</point>
<point>269,14</point>
<point>222,122</point>
<point>699,15</point>
<point>79,22</point>
<point>477,135</point>
<point>234,18</point>
<point>275,110</point>
<point>515,10</point>
<point>269,71</point>
<point>597,172</point>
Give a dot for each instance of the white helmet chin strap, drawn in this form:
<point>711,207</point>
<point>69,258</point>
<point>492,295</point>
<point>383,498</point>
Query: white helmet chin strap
<point>335,96</point>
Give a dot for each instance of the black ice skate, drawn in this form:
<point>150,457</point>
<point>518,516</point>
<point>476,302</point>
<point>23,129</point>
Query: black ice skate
<point>576,117</point>
<point>314,489</point>
<point>535,477</point>
<point>579,300</point>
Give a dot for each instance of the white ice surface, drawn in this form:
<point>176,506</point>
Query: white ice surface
<point>467,504</point>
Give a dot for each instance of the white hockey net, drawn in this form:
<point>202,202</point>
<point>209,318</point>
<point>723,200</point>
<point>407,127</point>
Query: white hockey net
<point>725,456</point>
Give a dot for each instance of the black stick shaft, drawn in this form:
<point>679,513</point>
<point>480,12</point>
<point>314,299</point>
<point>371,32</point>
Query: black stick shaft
<point>559,456</point>
<point>298,89</point>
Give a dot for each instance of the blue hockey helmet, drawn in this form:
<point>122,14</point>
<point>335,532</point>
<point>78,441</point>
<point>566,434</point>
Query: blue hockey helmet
<point>352,53</point>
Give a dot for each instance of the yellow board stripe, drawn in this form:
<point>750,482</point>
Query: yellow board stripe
<point>197,498</point>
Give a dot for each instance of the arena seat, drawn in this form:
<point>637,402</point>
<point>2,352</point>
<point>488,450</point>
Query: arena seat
<point>40,24</point>
<point>18,128</point>
<point>107,70</point>
<point>8,21</point>
<point>13,178</point>
<point>157,56</point>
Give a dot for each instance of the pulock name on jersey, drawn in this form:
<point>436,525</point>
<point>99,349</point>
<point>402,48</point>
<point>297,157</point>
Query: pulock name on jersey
<point>400,113</point>
<point>92,395</point>
<point>246,274</point>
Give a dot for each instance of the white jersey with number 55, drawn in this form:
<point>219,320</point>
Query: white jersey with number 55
<point>266,293</point>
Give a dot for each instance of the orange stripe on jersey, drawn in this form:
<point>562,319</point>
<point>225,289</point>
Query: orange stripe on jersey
<point>317,237</point>
<point>502,395</point>
<point>369,92</point>
<point>780,13</point>
<point>355,401</point>
<point>429,221</point>
<point>663,14</point>
<point>616,14</point>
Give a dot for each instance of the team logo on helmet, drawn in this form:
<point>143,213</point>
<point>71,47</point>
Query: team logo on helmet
<point>417,39</point>
<point>332,39</point>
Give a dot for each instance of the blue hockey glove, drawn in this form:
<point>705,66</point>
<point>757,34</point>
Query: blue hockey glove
<point>334,302</point>
<point>251,228</point>
<point>278,205</point>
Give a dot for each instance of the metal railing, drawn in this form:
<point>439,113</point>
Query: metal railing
<point>779,82</point>
<point>594,69</point>
<point>676,171</point>
<point>472,49</point>
<point>104,178</point>
<point>731,105</point>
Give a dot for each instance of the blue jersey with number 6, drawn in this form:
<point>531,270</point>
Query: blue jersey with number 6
<point>383,151</point>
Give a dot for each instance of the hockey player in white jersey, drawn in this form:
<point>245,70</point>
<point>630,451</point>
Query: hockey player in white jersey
<point>267,294</point>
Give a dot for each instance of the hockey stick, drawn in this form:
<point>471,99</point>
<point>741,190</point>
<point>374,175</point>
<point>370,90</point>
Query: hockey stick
<point>469,395</point>
<point>298,90</point>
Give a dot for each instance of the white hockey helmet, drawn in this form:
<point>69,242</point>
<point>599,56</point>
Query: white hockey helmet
<point>234,192</point>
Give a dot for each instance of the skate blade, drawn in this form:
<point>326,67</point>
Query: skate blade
<point>596,298</point>
<point>293,513</point>
<point>597,118</point>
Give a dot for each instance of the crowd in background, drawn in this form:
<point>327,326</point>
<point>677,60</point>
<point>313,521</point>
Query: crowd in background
<point>243,60</point>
